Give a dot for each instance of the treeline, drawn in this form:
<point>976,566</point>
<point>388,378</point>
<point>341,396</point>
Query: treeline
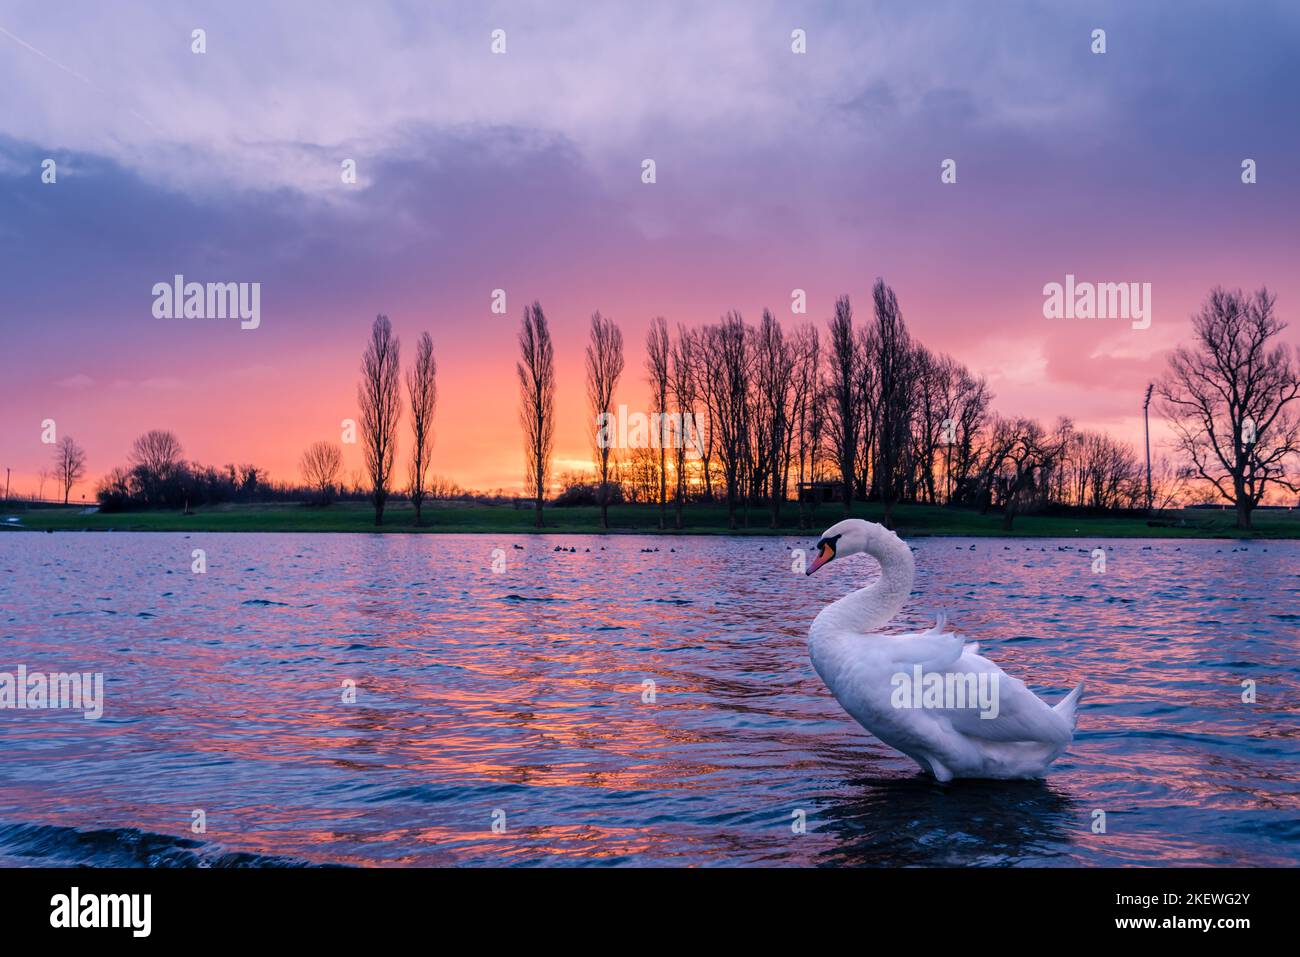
<point>852,410</point>
<point>759,416</point>
<point>158,476</point>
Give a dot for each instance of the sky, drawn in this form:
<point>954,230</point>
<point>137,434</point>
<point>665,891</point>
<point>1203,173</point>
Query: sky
<point>522,171</point>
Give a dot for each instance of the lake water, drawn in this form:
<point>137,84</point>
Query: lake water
<point>517,697</point>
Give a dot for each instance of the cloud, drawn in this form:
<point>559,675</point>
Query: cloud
<point>522,171</point>
<point>285,91</point>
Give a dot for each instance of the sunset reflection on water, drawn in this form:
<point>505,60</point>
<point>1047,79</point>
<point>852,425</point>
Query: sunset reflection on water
<point>522,692</point>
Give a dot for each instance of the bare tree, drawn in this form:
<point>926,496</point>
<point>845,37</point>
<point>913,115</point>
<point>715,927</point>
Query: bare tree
<point>251,478</point>
<point>422,391</point>
<point>773,364</point>
<point>444,488</point>
<point>656,363</point>
<point>844,410</point>
<point>638,474</point>
<point>1018,459</point>
<point>806,414</point>
<point>155,460</point>
<point>697,345</point>
<point>157,451</point>
<point>1169,483</point>
<point>968,416</point>
<point>604,367</point>
<point>866,392</point>
<point>1229,399</point>
<point>380,399</point>
<point>728,355</point>
<point>320,467</point>
<point>894,364</point>
<point>933,387</point>
<point>536,370</point>
<point>1095,471</point>
<point>69,464</point>
<point>683,383</point>
<point>789,355</point>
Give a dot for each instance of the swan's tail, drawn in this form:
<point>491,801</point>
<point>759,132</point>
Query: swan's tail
<point>1066,706</point>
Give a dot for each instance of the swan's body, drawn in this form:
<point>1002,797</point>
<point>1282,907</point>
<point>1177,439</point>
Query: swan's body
<point>861,669</point>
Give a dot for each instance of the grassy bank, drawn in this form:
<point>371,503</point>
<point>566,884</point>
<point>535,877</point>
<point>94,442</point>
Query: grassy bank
<point>913,520</point>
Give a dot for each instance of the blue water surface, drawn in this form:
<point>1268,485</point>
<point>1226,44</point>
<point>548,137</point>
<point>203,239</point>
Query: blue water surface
<point>607,705</point>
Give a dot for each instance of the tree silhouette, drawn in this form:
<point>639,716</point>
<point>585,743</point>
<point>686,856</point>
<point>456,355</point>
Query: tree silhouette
<point>379,397</point>
<point>604,366</point>
<point>1231,399</point>
<point>422,390</point>
<point>536,370</point>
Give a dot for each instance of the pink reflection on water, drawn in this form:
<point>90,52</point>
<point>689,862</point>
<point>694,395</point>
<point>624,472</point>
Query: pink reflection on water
<point>523,691</point>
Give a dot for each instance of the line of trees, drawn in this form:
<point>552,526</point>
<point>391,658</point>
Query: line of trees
<point>864,412</point>
<point>854,411</point>
<point>158,476</point>
<point>783,411</point>
<point>379,396</point>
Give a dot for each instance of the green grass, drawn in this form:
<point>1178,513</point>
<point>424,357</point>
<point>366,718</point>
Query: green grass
<point>910,520</point>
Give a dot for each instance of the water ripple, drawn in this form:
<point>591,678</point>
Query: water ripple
<point>632,710</point>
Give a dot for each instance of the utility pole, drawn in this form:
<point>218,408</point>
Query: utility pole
<point>6,485</point>
<point>1146,425</point>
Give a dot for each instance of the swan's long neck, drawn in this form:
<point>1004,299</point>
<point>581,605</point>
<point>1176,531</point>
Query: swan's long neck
<point>869,609</point>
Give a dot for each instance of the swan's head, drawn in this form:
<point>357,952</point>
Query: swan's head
<point>849,537</point>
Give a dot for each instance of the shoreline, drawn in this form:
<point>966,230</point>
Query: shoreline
<point>911,521</point>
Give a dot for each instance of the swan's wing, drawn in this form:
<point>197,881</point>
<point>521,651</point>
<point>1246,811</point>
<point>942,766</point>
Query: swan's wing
<point>933,650</point>
<point>1014,713</point>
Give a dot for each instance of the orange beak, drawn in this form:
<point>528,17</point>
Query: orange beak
<point>824,555</point>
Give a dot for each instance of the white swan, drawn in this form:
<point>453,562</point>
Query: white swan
<point>971,721</point>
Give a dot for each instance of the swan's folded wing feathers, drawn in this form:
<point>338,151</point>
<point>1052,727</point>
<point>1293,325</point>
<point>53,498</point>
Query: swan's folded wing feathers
<point>932,650</point>
<point>1021,715</point>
